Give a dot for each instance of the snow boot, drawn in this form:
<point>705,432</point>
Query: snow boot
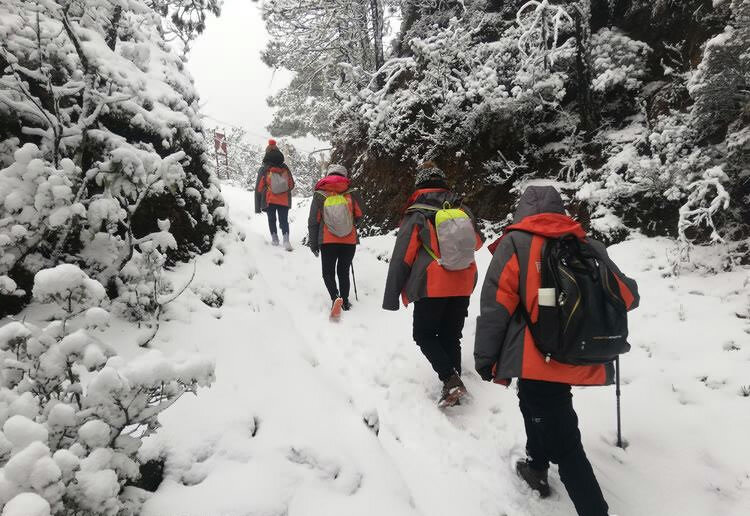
<point>536,480</point>
<point>274,239</point>
<point>287,243</point>
<point>453,390</point>
<point>336,309</point>
<point>346,305</point>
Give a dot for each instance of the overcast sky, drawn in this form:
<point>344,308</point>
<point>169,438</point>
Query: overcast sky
<point>232,81</point>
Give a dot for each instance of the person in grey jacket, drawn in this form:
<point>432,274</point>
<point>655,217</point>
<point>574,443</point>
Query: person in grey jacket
<point>440,296</point>
<point>504,348</point>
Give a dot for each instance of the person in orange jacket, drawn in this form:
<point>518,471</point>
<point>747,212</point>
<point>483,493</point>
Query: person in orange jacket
<point>504,347</point>
<point>440,296</point>
<point>273,192</point>
<point>332,231</point>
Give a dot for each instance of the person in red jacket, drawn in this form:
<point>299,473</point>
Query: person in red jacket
<point>504,348</point>
<point>273,192</point>
<point>440,296</point>
<point>332,232</point>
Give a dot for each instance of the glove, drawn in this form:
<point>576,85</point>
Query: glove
<point>486,373</point>
<point>315,251</point>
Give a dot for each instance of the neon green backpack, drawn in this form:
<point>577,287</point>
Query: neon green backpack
<point>455,234</point>
<point>337,215</point>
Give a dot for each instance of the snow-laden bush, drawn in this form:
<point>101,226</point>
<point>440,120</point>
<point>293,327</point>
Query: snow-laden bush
<point>619,62</point>
<point>642,176</point>
<point>708,196</point>
<point>72,412</point>
<point>100,137</point>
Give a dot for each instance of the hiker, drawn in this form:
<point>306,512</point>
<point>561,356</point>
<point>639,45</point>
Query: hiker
<point>332,232</point>
<point>433,267</point>
<point>517,314</point>
<point>273,192</point>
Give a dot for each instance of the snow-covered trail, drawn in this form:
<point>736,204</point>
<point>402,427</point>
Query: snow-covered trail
<point>289,428</point>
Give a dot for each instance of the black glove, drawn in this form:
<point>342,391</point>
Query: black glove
<point>315,251</point>
<point>486,373</point>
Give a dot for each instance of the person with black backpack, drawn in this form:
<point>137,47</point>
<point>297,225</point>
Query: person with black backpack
<point>273,192</point>
<point>332,233</point>
<point>553,314</point>
<point>433,267</point>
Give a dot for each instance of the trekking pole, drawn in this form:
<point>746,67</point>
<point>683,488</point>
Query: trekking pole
<point>617,392</point>
<point>354,281</point>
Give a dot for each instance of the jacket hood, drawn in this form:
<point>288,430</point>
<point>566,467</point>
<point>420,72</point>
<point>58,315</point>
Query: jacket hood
<point>333,183</point>
<point>536,200</point>
<point>548,225</point>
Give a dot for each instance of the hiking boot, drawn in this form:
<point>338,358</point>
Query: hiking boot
<point>536,479</point>
<point>287,243</point>
<point>453,390</point>
<point>346,305</point>
<point>274,239</point>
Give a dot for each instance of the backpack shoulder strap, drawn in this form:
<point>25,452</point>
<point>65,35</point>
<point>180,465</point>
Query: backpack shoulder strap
<point>426,207</point>
<point>521,301</point>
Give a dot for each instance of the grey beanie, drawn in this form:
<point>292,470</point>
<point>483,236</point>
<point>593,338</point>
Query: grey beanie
<point>426,174</point>
<point>337,170</point>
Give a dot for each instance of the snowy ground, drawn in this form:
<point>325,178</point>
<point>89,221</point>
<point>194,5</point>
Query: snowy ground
<point>290,426</point>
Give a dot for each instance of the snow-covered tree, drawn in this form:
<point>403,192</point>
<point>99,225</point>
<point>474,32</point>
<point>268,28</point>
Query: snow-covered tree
<point>307,169</point>
<point>333,46</point>
<point>99,122</point>
<point>184,20</point>
<point>720,85</point>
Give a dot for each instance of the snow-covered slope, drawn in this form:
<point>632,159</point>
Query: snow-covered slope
<point>312,418</point>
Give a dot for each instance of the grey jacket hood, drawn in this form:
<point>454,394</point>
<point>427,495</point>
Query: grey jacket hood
<point>536,200</point>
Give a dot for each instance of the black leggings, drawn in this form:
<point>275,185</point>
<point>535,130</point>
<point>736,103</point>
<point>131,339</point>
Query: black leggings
<point>337,260</point>
<point>552,435</point>
<point>283,212</point>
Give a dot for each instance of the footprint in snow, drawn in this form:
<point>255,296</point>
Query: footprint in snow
<point>732,346</point>
<point>325,468</point>
<point>195,475</point>
<point>254,426</point>
<point>372,420</point>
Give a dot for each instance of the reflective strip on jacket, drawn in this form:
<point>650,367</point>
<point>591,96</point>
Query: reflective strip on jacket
<point>413,274</point>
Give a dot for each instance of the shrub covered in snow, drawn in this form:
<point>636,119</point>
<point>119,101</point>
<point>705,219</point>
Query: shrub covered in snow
<point>100,138</point>
<point>619,62</point>
<point>72,412</point>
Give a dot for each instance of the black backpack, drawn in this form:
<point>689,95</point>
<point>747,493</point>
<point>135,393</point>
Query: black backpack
<point>583,321</point>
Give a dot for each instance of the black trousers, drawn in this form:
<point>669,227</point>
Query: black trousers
<point>438,323</point>
<point>283,213</point>
<point>337,260</point>
<point>552,435</point>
